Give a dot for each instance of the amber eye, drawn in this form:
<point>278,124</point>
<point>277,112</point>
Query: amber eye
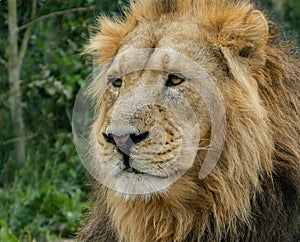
<point>116,82</point>
<point>174,80</point>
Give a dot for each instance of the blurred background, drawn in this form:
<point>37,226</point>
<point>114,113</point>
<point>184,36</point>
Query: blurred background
<point>43,186</point>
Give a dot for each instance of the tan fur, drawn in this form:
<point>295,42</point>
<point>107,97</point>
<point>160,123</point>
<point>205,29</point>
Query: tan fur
<point>261,93</point>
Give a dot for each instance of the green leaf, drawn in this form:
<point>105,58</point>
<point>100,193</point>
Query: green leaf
<point>5,233</point>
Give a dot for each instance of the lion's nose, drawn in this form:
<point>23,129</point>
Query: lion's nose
<point>125,142</point>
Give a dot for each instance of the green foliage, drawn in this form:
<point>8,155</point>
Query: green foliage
<point>6,234</point>
<point>47,198</point>
<point>291,15</point>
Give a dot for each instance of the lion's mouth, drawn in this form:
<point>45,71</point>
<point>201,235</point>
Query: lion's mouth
<point>131,170</point>
<point>134,171</point>
<point>128,168</point>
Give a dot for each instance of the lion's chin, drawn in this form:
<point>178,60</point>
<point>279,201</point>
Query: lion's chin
<point>132,185</point>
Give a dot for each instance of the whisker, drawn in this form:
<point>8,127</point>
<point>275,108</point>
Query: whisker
<point>194,140</point>
<point>192,143</point>
<point>209,145</point>
<point>201,148</point>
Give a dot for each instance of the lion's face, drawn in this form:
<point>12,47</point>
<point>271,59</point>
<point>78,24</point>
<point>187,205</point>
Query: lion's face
<point>153,122</point>
<point>162,111</point>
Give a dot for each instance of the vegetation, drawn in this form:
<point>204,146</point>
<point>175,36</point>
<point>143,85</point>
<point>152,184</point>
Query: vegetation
<point>42,182</point>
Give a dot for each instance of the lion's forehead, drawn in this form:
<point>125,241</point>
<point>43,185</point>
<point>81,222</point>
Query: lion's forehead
<point>184,37</point>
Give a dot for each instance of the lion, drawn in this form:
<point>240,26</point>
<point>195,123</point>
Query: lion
<point>252,193</point>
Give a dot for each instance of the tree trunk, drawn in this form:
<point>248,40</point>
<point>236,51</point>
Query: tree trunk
<point>15,60</point>
<point>15,101</point>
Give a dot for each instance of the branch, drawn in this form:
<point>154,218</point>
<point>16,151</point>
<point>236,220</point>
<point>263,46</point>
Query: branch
<point>27,35</point>
<point>3,62</point>
<point>9,94</point>
<point>62,12</point>
<point>10,141</point>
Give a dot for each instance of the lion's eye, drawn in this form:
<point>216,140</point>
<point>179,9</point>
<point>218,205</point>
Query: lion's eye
<point>174,80</point>
<point>116,82</point>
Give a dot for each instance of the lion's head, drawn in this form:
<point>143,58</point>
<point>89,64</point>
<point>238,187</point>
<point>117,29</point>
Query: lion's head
<point>180,81</point>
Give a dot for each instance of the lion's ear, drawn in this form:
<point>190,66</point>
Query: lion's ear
<point>257,29</point>
<point>245,35</point>
<point>247,39</point>
<point>256,35</point>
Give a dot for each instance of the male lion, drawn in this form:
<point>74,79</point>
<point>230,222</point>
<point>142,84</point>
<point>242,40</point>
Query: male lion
<point>252,193</point>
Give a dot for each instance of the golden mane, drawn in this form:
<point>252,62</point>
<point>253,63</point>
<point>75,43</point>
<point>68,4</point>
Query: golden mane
<point>255,187</point>
<point>225,15</point>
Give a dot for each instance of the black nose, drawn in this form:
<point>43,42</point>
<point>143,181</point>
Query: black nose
<point>125,142</point>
